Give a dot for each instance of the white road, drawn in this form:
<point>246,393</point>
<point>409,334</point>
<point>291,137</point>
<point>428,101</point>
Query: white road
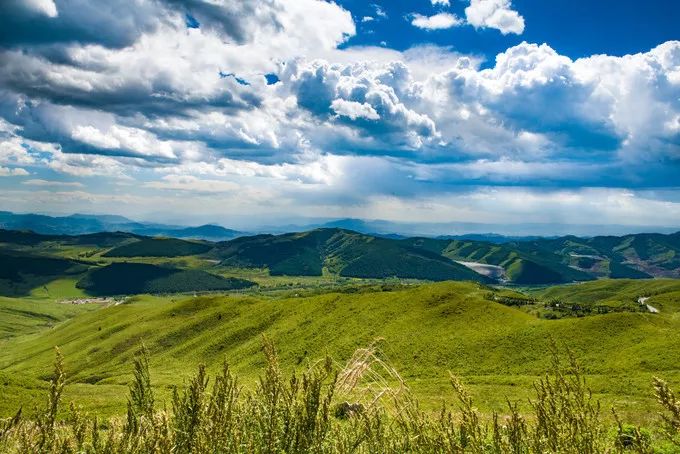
<point>643,301</point>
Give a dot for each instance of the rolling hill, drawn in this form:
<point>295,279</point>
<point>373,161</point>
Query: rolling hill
<point>497,350</point>
<point>20,272</point>
<point>663,294</point>
<point>341,252</point>
<point>12,238</point>
<point>345,253</point>
<point>631,256</point>
<point>569,259</point>
<point>136,278</point>
<point>522,266</point>
<point>159,247</point>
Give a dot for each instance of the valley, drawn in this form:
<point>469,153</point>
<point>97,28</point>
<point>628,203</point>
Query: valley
<point>486,312</point>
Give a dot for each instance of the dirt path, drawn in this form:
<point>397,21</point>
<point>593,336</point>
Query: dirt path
<point>643,301</point>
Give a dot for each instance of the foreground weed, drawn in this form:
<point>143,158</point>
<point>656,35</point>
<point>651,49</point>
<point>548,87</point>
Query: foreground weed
<point>671,411</point>
<point>363,407</point>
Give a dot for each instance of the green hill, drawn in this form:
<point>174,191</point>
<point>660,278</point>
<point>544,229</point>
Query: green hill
<point>342,252</point>
<point>426,330</point>
<point>522,271</point>
<point>24,237</point>
<point>20,272</point>
<point>570,258</point>
<point>159,247</point>
<point>135,278</point>
<point>339,252</point>
<point>631,256</point>
<point>664,294</point>
<point>28,238</point>
<point>103,239</point>
<point>522,265</point>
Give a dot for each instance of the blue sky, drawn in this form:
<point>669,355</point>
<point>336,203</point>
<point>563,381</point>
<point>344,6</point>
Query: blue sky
<point>573,28</point>
<point>249,113</point>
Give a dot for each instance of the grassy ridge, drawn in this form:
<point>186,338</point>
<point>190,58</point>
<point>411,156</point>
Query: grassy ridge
<point>573,259</point>
<point>28,238</point>
<point>629,256</point>
<point>426,330</point>
<point>351,254</point>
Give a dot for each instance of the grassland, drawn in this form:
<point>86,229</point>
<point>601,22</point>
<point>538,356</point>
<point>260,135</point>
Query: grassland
<point>424,331</point>
<point>363,407</point>
<point>496,339</point>
<point>663,292</point>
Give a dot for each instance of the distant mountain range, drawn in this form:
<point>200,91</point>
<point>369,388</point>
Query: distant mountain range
<point>347,253</point>
<point>79,224</point>
<point>358,248</point>
<point>496,233</point>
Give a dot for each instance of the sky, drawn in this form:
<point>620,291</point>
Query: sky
<point>275,111</point>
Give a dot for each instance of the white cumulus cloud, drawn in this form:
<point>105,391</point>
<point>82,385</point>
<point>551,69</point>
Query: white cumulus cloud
<point>438,21</point>
<point>146,97</point>
<point>496,14</point>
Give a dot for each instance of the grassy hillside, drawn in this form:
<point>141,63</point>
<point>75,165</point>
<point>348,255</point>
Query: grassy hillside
<point>341,252</point>
<point>26,316</point>
<point>159,247</point>
<point>568,259</point>
<point>136,278</point>
<point>426,330</point>
<point>664,294</point>
<point>522,271</point>
<point>24,238</point>
<point>20,273</point>
<point>103,239</point>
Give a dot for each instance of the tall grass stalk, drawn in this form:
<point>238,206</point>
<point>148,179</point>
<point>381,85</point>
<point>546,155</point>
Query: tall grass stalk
<point>362,407</point>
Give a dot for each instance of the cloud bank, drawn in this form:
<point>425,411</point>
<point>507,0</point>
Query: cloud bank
<point>255,102</point>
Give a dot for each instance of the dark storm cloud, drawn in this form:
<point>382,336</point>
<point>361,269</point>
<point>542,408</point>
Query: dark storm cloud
<point>117,23</point>
<point>112,23</point>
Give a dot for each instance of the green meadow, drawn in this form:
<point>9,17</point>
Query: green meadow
<point>422,330</point>
<point>322,298</point>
